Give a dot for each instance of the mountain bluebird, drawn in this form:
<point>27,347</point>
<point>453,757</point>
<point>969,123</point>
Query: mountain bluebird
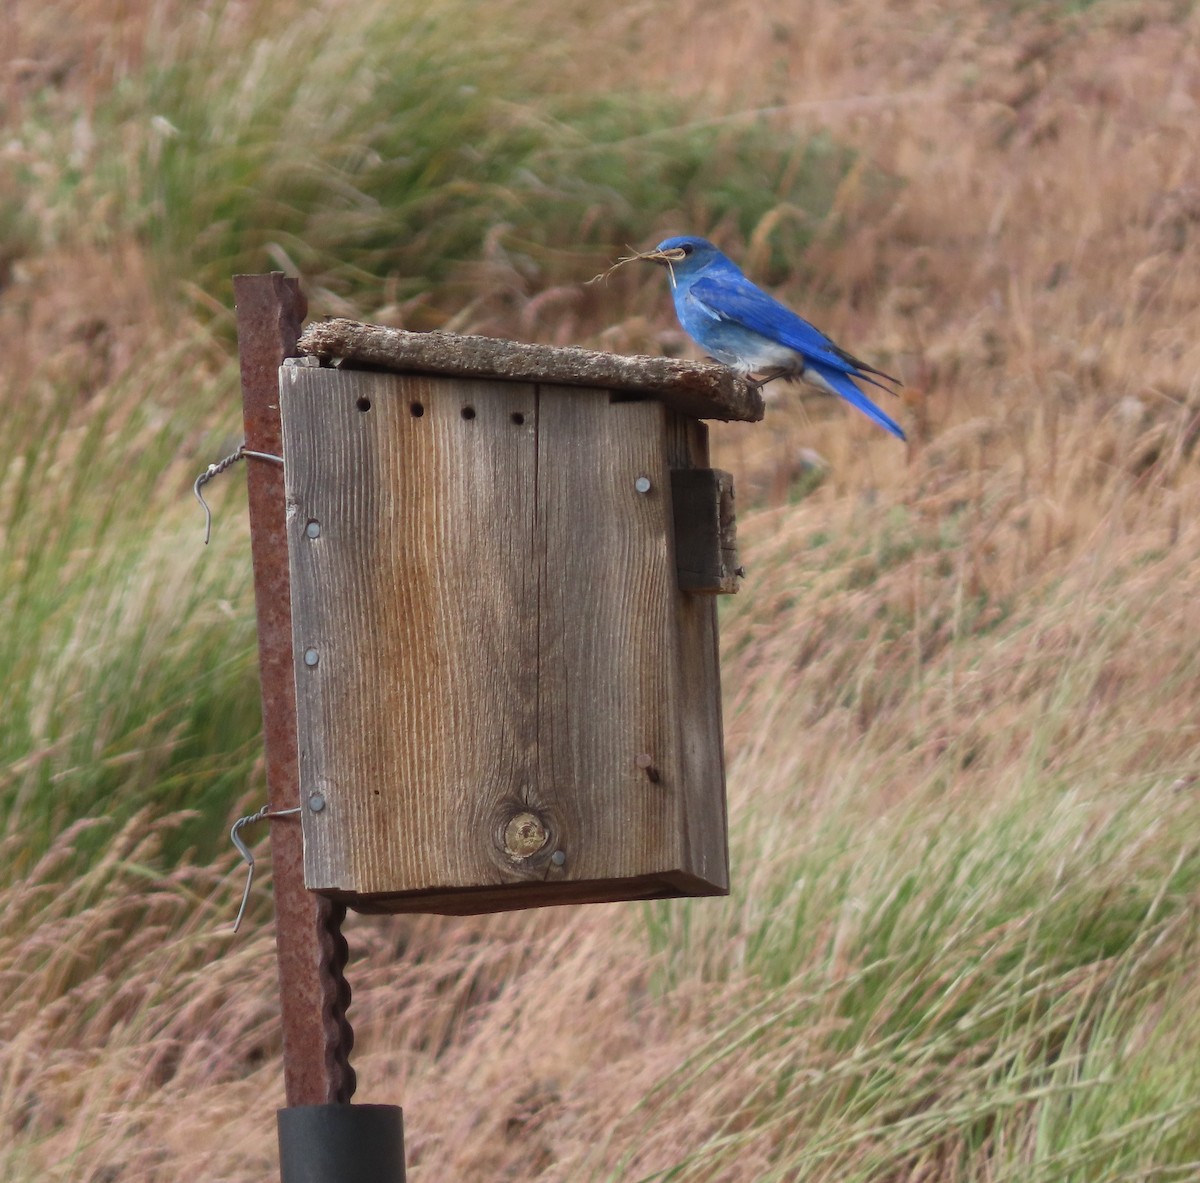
<point>740,325</point>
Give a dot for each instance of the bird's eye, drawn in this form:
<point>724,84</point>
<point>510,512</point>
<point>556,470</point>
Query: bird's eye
<point>687,249</point>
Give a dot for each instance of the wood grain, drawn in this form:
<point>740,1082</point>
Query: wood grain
<point>499,713</point>
<point>705,531</point>
<point>705,818</point>
<point>608,660</point>
<point>702,390</point>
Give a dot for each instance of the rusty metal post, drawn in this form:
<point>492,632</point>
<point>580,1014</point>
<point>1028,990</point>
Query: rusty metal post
<point>311,951</point>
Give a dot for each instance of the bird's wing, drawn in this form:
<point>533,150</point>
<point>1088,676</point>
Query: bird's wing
<point>735,299</point>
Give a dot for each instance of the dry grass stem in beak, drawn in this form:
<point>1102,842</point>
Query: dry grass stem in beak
<point>666,257</point>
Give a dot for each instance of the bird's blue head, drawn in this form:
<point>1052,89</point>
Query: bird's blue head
<point>686,256</point>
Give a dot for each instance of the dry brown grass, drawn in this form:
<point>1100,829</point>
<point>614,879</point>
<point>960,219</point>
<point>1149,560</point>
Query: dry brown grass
<point>998,622</point>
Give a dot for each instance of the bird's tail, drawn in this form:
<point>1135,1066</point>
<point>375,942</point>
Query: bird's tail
<point>840,383</point>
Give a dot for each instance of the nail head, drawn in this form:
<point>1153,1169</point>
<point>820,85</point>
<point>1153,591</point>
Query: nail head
<point>642,484</point>
<point>311,657</point>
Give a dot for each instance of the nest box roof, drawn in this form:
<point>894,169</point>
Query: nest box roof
<point>701,390</point>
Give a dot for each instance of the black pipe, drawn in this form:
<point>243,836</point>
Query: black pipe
<point>341,1144</point>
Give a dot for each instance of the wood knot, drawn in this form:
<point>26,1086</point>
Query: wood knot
<point>524,835</point>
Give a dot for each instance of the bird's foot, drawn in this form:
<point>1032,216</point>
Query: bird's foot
<point>767,376</point>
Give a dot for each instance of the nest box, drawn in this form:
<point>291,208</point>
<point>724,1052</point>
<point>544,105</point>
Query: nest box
<point>503,564</point>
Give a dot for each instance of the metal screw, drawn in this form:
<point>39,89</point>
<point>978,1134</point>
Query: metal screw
<point>311,657</point>
<point>558,858</point>
<point>642,484</point>
<point>316,802</point>
<point>313,529</point>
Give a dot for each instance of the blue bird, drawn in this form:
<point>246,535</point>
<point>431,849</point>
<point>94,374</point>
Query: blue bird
<point>740,325</point>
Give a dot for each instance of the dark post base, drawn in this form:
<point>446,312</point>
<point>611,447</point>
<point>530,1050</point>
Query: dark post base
<point>341,1144</point>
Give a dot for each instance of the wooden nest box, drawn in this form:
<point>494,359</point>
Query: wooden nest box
<point>503,560</point>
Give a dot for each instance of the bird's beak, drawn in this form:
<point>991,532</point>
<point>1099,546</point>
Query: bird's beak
<point>666,258</point>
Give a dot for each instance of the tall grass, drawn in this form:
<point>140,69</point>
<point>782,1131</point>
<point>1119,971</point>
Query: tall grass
<point>395,149</point>
<point>960,680</point>
<point>129,650</point>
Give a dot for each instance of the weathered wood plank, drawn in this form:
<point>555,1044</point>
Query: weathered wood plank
<point>701,725</point>
<point>609,667</point>
<point>705,531</point>
<point>418,719</point>
<point>485,576</point>
<point>470,901</point>
<point>704,391</point>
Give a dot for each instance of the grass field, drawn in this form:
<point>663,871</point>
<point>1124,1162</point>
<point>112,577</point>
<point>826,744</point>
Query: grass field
<point>960,680</point>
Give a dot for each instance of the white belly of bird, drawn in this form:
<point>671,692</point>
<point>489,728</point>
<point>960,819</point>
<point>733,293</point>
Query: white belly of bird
<point>765,355</point>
